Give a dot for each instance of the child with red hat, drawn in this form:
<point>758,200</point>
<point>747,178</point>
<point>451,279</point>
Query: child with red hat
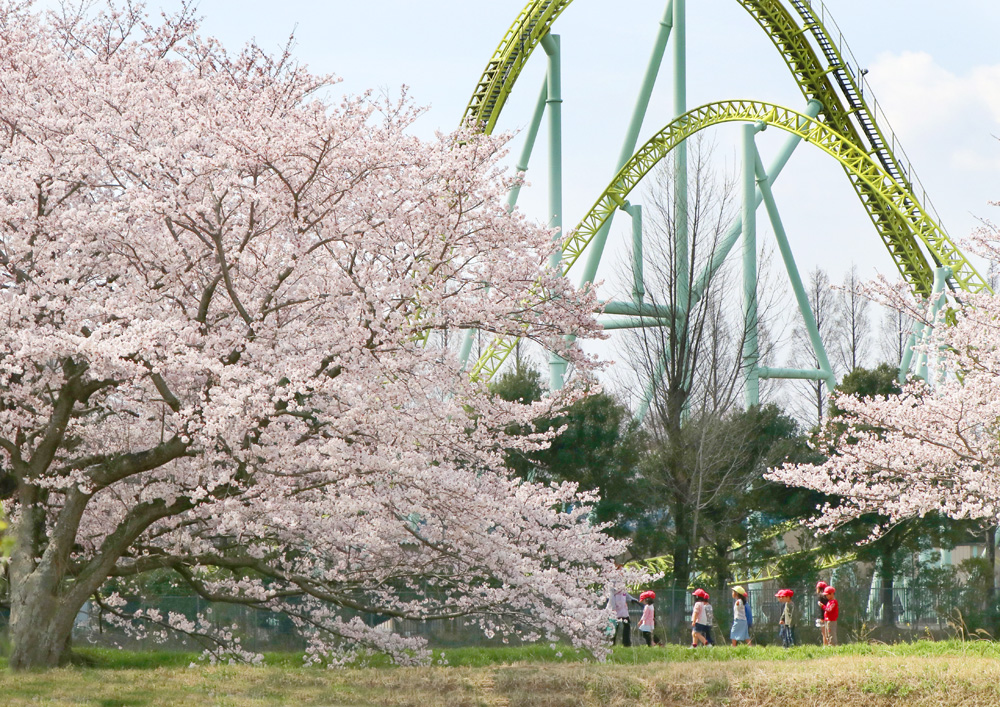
<point>646,622</point>
<point>702,619</point>
<point>820,623</point>
<point>831,610</point>
<point>786,624</point>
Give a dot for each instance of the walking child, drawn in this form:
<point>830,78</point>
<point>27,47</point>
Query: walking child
<point>740,630</point>
<point>701,620</point>
<point>786,624</point>
<point>646,622</point>
<point>821,600</point>
<point>830,613</point>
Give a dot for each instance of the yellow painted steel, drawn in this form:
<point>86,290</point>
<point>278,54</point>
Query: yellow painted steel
<point>767,571</point>
<point>813,76</point>
<point>864,169</point>
<point>507,61</point>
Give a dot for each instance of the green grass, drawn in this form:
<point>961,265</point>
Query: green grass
<point>480,657</point>
<point>922,674</point>
<point>948,674</point>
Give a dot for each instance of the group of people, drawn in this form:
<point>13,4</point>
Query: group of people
<point>703,616</point>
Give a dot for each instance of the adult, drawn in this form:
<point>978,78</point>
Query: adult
<point>618,603</point>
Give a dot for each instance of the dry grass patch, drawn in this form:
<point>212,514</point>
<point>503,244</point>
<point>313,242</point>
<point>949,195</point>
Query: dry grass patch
<point>964,680</point>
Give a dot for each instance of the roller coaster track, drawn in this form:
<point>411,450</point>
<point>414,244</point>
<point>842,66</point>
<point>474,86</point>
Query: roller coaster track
<point>846,128</point>
<point>886,193</point>
<point>844,109</point>
<point>862,167</point>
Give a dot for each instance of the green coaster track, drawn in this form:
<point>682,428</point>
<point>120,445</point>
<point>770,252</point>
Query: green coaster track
<point>847,123</point>
<point>831,81</point>
<point>845,127</point>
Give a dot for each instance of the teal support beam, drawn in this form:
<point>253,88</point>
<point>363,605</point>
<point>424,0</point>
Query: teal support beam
<point>904,362</point>
<point>631,309</point>
<point>814,374</point>
<point>733,234</point>
<point>793,276</point>
<point>596,248</point>
<point>638,286</point>
<point>938,299</point>
<point>529,143</point>
<point>553,102</point>
<point>681,265</point>
<point>751,353</point>
<point>627,322</point>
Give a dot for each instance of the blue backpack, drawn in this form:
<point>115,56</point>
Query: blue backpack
<point>749,613</point>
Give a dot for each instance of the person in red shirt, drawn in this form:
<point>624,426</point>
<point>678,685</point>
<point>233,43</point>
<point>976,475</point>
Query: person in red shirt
<point>831,610</point>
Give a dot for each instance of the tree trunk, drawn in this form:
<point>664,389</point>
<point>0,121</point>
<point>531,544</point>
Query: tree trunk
<point>681,571</point>
<point>41,626</point>
<point>991,556</point>
<point>887,576</point>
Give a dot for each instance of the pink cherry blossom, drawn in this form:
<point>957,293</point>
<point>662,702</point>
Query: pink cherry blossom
<point>223,296</point>
<point>935,447</point>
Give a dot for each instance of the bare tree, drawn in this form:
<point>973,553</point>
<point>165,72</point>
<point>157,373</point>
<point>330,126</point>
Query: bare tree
<point>853,323</point>
<point>694,359</point>
<point>895,330</point>
<point>809,402</point>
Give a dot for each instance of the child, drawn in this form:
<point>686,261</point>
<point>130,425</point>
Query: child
<point>740,630</point>
<point>646,622</point>
<point>830,613</point>
<point>821,597</point>
<point>701,620</point>
<point>786,624</point>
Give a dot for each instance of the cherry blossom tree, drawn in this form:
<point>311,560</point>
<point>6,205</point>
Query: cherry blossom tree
<point>222,292</point>
<point>932,448</point>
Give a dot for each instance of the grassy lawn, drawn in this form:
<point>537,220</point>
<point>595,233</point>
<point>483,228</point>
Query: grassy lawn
<point>939,674</point>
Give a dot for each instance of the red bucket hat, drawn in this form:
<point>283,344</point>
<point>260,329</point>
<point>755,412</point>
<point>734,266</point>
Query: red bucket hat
<point>700,593</point>
<point>820,586</point>
<point>784,593</point>
<point>829,590</point>
<point>647,595</point>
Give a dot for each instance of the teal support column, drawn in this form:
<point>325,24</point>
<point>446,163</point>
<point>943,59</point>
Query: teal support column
<point>681,267</point>
<point>654,382</point>
<point>723,249</point>
<point>638,288</point>
<point>938,299</point>
<point>793,276</point>
<point>751,354</point>
<point>550,42</point>
<point>529,142</point>
<point>911,340</point>
<point>596,248</point>
<point>733,234</point>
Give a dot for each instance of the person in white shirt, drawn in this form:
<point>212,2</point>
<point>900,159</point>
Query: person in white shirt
<point>618,603</point>
<point>702,619</point>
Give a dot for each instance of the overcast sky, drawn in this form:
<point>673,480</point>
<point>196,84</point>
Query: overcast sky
<point>934,68</point>
<point>935,71</point>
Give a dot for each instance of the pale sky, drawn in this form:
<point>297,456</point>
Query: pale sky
<point>934,69</point>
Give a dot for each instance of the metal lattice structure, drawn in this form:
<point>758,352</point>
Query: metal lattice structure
<point>841,118</point>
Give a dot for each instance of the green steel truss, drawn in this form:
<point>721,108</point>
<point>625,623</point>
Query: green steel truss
<point>892,196</point>
<point>505,66</point>
<point>830,80</point>
<point>845,128</point>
